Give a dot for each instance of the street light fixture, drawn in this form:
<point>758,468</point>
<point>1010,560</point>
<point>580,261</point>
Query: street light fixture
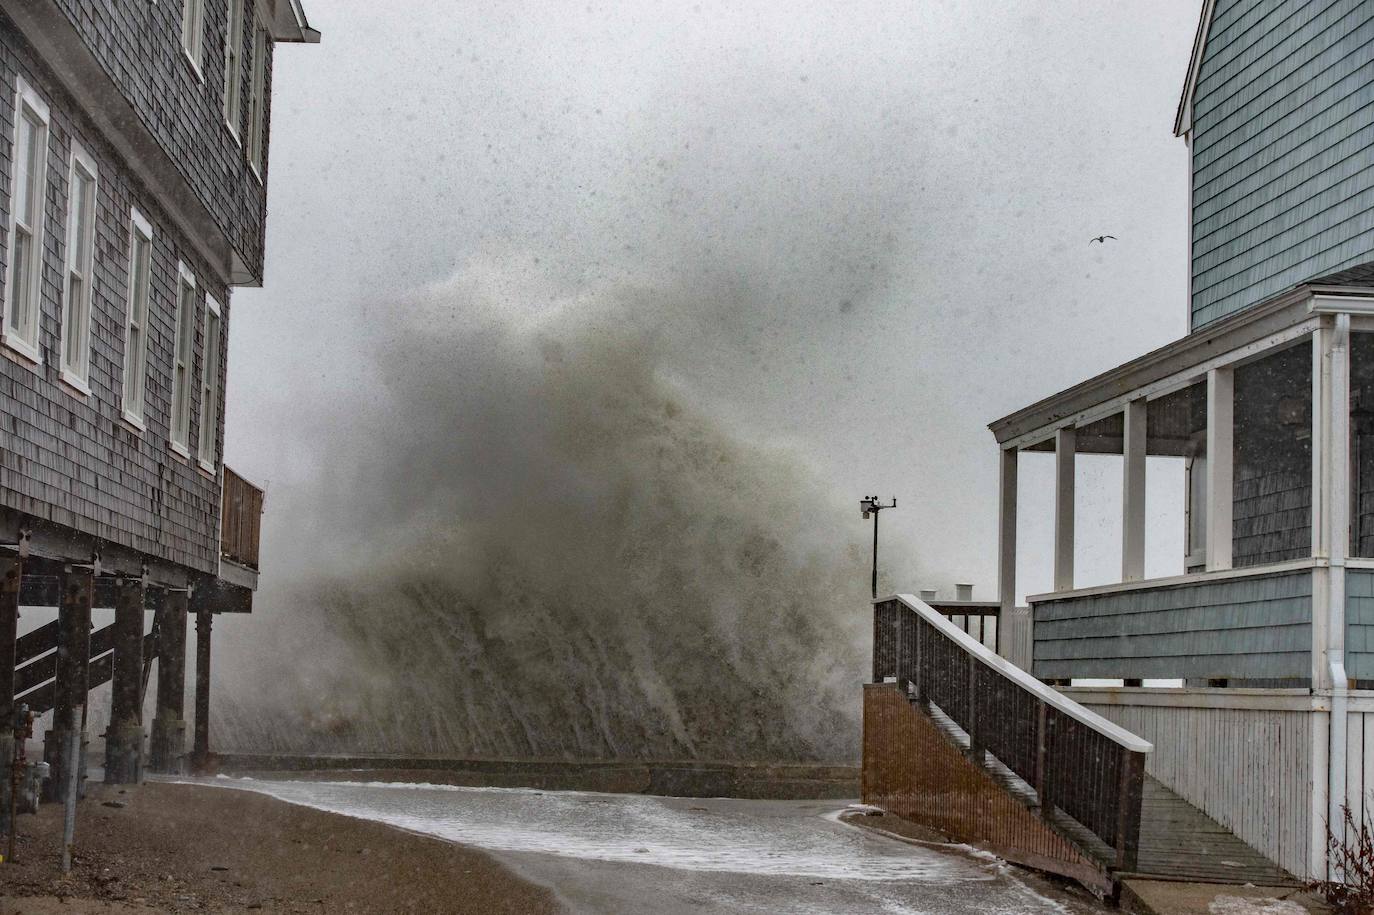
<point>869,505</point>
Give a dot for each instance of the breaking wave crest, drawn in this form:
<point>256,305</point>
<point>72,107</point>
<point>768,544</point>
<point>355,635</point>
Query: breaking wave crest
<point>528,541</point>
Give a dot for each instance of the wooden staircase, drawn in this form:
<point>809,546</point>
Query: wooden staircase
<point>960,740</point>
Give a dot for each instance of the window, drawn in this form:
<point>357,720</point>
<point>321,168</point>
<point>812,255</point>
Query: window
<point>193,31</point>
<point>209,386</point>
<point>76,288</point>
<point>136,330</point>
<point>257,109</point>
<point>233,68</point>
<point>30,166</point>
<point>181,364</point>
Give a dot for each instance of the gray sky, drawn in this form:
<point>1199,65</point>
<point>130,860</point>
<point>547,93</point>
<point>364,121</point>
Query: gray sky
<point>856,229</point>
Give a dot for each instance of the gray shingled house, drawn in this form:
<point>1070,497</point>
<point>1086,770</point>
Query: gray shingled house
<point>133,182</point>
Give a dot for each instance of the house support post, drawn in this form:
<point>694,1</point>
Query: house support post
<point>72,685</point>
<point>169,720</point>
<point>1221,386</point>
<point>1335,457</point>
<point>1133,455</point>
<point>12,570</point>
<point>1006,543</point>
<point>1065,443</point>
<point>124,736</point>
<point>200,755</point>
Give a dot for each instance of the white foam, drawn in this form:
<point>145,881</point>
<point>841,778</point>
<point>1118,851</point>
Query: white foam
<point>632,829</point>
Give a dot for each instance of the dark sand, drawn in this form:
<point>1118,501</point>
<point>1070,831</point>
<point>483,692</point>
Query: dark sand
<point>186,848</point>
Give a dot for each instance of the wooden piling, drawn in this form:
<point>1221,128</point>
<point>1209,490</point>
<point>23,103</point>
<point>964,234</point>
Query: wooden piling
<point>200,756</point>
<point>169,720</point>
<point>12,571</point>
<point>71,685</point>
<point>124,736</point>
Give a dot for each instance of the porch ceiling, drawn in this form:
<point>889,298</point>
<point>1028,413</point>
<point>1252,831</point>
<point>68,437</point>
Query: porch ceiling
<point>1093,405</point>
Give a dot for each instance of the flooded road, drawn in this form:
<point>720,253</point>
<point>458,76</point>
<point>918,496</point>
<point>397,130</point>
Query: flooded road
<point>631,853</point>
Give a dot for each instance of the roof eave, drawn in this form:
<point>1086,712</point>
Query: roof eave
<point>287,22</point>
<point>1183,120</point>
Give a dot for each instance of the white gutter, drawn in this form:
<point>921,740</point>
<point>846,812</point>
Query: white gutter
<point>1338,547</point>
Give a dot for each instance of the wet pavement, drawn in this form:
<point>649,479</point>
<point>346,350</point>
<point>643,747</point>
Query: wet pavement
<point>610,853</point>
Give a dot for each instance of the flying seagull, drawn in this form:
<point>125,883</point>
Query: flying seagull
<point>1102,239</point>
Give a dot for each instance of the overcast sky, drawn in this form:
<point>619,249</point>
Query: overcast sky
<point>859,229</point>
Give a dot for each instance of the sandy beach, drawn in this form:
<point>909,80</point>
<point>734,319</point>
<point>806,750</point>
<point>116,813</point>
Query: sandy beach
<point>184,848</point>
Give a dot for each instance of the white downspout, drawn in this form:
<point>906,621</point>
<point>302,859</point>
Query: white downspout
<point>1339,546</point>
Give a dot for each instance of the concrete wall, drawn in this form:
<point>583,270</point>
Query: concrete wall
<point>1283,149</point>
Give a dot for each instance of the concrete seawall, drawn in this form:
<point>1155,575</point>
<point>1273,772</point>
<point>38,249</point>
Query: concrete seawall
<point>790,781</point>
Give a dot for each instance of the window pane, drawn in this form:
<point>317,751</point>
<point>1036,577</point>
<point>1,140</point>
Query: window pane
<point>74,334</point>
<point>135,353</point>
<point>26,165</point>
<point>23,261</point>
<point>81,213</point>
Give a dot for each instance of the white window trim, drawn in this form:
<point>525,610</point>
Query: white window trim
<point>255,142</point>
<point>193,31</point>
<point>212,306</point>
<point>139,225</point>
<point>185,277</point>
<point>79,376</point>
<point>26,97</point>
<point>233,38</point>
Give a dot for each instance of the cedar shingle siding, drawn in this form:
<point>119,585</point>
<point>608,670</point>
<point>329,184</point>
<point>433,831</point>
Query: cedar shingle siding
<point>71,459</point>
<point>1283,149</point>
<point>138,44</point>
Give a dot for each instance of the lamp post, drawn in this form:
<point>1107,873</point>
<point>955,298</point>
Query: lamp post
<point>870,505</point>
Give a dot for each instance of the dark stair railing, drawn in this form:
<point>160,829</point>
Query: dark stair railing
<point>1079,763</point>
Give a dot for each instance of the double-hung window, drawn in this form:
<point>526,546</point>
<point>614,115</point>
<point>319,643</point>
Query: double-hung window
<point>193,32</point>
<point>77,278</point>
<point>29,164</point>
<point>233,68</point>
<point>209,386</point>
<point>136,327</point>
<point>181,360</point>
<point>257,103</point>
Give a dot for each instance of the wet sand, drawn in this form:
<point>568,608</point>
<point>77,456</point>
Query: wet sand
<point>186,848</point>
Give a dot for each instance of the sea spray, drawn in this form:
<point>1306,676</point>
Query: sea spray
<point>527,540</point>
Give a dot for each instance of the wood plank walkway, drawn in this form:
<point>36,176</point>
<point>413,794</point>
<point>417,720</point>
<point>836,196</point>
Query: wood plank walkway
<point>1180,842</point>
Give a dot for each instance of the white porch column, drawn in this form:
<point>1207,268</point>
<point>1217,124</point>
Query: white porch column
<point>1221,387</point>
<point>1006,532</point>
<point>1133,492</point>
<point>1065,442</point>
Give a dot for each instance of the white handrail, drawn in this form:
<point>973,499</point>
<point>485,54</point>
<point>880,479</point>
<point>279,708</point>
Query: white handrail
<point>1021,678</point>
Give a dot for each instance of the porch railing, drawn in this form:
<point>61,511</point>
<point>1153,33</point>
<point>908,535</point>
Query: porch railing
<point>1078,763</point>
<point>241,521</point>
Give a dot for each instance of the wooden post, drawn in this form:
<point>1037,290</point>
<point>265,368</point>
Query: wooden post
<point>1221,387</point>
<point>71,686</point>
<point>1006,531</point>
<point>169,725</point>
<point>1065,442</point>
<point>13,568</point>
<point>1042,759</point>
<point>1133,455</point>
<point>124,736</point>
<point>200,755</point>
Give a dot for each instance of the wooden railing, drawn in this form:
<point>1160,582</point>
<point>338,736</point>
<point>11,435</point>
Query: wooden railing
<point>241,521</point>
<point>1077,762</point>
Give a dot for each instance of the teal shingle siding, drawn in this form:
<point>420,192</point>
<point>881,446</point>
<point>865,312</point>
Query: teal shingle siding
<point>1240,628</point>
<point>1359,624</point>
<point>1283,149</point>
